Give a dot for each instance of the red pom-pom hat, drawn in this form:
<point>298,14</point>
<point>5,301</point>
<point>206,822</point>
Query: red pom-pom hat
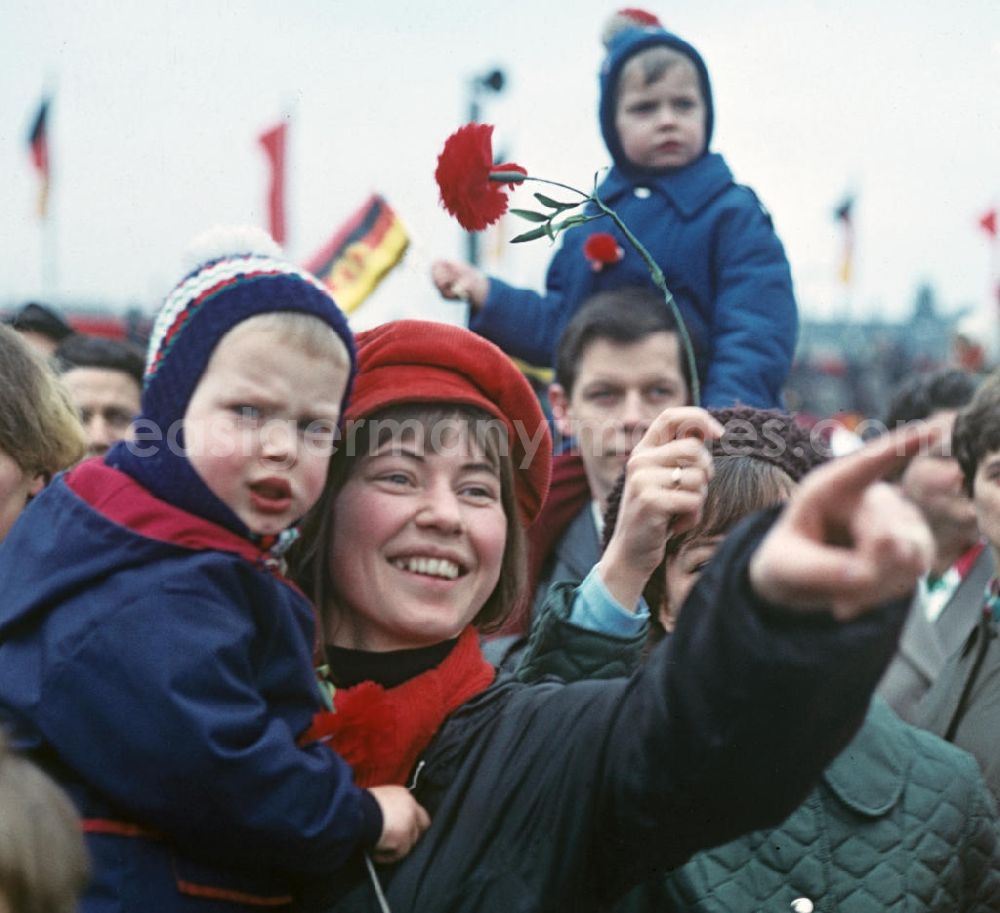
<point>419,361</point>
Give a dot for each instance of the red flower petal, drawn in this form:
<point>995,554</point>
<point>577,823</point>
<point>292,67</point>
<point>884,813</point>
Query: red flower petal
<point>463,176</point>
<point>602,248</point>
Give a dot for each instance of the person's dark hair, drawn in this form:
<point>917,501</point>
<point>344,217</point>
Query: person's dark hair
<point>977,430</point>
<point>625,315</point>
<point>770,435</point>
<point>37,318</point>
<point>741,485</point>
<point>921,395</point>
<point>310,560</point>
<point>82,351</point>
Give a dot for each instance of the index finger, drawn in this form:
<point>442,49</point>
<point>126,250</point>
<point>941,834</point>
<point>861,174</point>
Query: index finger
<point>856,471</point>
<point>682,421</point>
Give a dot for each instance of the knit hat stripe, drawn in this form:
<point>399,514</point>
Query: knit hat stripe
<point>201,286</point>
<point>184,317</point>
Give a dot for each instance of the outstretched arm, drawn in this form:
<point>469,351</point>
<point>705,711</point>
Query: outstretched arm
<point>770,670</point>
<point>457,281</point>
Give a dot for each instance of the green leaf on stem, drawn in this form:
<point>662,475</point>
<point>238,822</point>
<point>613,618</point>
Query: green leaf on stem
<point>529,215</point>
<point>555,204</point>
<point>570,222</point>
<point>532,235</point>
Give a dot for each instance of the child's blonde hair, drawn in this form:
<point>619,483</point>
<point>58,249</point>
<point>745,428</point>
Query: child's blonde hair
<point>653,63</point>
<point>312,335</point>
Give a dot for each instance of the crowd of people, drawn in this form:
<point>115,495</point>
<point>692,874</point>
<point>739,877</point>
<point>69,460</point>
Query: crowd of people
<point>302,619</point>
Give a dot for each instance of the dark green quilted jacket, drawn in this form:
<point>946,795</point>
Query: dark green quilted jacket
<point>902,822</point>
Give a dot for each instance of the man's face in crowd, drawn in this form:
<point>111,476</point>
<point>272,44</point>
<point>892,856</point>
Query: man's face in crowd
<point>107,401</point>
<point>933,481</point>
<point>620,388</point>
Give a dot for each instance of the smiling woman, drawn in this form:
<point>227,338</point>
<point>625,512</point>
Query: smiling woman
<point>423,512</point>
<point>544,796</point>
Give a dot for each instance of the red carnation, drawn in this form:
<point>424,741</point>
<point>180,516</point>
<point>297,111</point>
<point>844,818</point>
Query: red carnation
<point>602,249</point>
<point>463,175</point>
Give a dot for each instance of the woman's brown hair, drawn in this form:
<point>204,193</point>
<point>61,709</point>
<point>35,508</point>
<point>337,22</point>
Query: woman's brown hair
<point>310,559</point>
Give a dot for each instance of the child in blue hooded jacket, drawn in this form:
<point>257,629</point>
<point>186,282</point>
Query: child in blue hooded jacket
<point>154,658</point>
<point>711,237</point>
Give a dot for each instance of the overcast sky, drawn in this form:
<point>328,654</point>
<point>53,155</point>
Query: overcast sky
<point>158,105</point>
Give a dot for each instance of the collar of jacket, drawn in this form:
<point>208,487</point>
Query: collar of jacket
<point>569,492</point>
<point>689,189</point>
<point>121,499</point>
<point>869,775</point>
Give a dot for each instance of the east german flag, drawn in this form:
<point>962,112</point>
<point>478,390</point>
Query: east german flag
<point>38,143</point>
<point>361,252</point>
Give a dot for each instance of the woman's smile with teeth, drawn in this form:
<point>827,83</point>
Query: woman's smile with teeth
<point>433,567</point>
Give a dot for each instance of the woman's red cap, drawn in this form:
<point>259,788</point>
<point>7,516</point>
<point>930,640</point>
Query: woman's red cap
<point>419,361</point>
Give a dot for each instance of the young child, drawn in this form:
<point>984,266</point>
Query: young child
<point>710,236</point>
<point>153,657</point>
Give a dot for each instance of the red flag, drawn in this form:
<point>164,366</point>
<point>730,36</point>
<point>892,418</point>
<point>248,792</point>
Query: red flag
<point>988,222</point>
<point>38,142</point>
<point>273,141</point>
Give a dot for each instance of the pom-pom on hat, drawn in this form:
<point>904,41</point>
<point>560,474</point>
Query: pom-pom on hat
<point>418,361</point>
<point>625,34</point>
<point>240,273</point>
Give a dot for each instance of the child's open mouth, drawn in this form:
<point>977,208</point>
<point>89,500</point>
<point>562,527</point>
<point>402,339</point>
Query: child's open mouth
<point>271,495</point>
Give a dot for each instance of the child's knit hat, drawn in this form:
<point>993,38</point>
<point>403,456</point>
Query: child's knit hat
<point>628,32</point>
<point>241,274</point>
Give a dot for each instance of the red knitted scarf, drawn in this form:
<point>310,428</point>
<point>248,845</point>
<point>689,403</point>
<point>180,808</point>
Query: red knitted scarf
<point>381,732</point>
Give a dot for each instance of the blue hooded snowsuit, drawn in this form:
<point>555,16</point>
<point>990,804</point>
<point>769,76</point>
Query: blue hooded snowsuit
<point>711,237</point>
<point>153,664</point>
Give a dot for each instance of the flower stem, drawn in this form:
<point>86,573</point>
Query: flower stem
<point>515,177</point>
<point>661,283</point>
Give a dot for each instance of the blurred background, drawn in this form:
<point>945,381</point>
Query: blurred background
<point>871,131</point>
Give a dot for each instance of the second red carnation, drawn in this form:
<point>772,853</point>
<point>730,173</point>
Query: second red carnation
<point>602,249</point>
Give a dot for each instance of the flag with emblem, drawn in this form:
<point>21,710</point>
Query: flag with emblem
<point>360,253</point>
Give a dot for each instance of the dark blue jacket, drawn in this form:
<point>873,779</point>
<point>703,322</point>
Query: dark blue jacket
<point>555,798</point>
<point>155,666</point>
<point>721,259</point>
<point>899,821</point>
